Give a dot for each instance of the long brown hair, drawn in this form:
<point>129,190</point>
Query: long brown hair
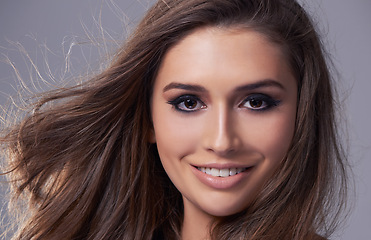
<point>83,161</point>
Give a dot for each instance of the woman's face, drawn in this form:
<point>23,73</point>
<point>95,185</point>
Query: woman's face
<point>223,111</point>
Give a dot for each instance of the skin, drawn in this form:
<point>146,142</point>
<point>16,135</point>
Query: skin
<point>223,98</point>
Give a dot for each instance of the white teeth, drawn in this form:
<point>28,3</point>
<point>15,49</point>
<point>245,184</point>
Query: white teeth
<point>215,172</point>
<point>232,171</point>
<point>225,172</point>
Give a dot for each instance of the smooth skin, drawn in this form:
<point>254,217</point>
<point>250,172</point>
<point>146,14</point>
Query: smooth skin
<point>224,98</point>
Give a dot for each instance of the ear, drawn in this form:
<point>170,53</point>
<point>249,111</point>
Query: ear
<point>151,136</point>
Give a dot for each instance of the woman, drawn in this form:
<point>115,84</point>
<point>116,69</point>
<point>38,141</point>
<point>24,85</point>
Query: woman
<point>214,121</point>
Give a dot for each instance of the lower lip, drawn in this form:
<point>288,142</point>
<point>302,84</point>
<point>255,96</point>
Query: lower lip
<point>221,182</point>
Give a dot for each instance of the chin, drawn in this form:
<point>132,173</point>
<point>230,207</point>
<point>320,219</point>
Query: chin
<point>218,209</point>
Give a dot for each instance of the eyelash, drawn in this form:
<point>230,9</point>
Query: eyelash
<point>265,103</point>
<point>176,102</point>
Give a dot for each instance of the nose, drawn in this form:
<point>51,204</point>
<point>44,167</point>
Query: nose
<point>221,133</point>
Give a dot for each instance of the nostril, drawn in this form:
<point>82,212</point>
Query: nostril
<point>222,151</point>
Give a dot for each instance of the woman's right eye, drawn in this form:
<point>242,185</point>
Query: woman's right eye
<point>187,103</point>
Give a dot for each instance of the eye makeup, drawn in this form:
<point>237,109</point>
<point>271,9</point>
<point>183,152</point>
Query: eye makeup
<point>254,102</point>
<point>259,102</point>
<point>187,103</point>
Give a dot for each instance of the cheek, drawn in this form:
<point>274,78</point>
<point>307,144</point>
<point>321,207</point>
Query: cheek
<point>281,136</point>
<point>176,136</point>
<point>272,136</point>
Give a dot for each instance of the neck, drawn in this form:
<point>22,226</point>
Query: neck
<point>196,223</point>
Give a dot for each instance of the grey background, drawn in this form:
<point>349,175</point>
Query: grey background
<point>56,31</point>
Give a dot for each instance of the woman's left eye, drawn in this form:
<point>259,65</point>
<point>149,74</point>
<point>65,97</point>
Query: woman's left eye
<point>259,102</point>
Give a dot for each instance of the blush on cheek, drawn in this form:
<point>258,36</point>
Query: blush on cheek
<point>271,135</point>
<point>176,139</point>
<point>281,138</point>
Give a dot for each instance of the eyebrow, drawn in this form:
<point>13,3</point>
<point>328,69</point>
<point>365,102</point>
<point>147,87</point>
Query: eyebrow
<point>260,84</point>
<point>190,87</point>
<point>247,87</point>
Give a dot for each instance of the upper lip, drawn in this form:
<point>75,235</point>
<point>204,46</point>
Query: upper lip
<point>223,166</point>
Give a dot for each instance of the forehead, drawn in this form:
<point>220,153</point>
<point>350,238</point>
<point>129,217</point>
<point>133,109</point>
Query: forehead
<point>223,54</point>
<point>226,37</point>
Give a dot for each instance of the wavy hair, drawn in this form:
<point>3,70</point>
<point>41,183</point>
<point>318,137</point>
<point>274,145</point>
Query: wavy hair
<point>82,160</point>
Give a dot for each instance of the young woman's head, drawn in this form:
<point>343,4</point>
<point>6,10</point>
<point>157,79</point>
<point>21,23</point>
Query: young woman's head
<point>230,99</point>
<point>223,111</point>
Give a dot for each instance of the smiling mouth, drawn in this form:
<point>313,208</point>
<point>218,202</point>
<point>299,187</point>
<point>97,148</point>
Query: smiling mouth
<point>225,172</point>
